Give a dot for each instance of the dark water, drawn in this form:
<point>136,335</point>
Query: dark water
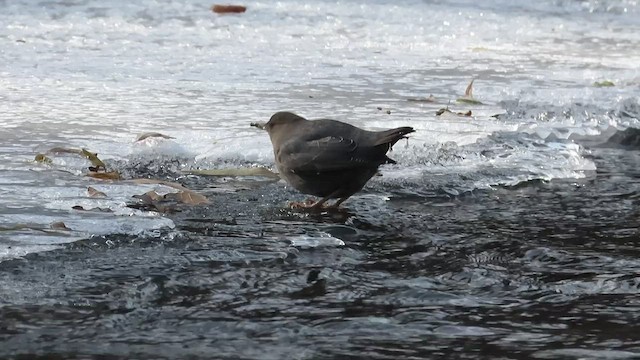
<point>541,270</point>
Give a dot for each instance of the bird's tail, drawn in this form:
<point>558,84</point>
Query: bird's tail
<point>392,136</point>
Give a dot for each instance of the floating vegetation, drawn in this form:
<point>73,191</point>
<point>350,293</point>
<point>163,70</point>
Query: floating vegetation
<point>59,225</point>
<point>95,209</point>
<point>43,159</point>
<point>252,171</point>
<point>94,193</point>
<point>468,96</point>
<point>98,168</point>
<point>110,175</point>
<point>153,135</point>
<point>604,83</point>
<point>228,9</point>
<point>446,111</point>
<point>93,157</point>
<point>184,195</point>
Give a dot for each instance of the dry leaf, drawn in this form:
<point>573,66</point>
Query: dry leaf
<point>228,9</point>
<point>150,197</point>
<point>604,83</point>
<point>159,182</point>
<point>151,201</point>
<point>447,111</point>
<point>42,158</point>
<point>153,134</point>
<point>252,171</point>
<point>187,197</point>
<point>468,95</point>
<point>93,157</point>
<point>111,175</point>
<point>95,209</point>
<point>58,225</point>
<point>95,193</point>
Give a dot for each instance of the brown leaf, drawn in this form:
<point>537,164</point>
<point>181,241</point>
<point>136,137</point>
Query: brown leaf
<point>150,197</point>
<point>42,158</point>
<point>95,209</point>
<point>449,112</point>
<point>187,197</point>
<point>58,225</point>
<point>228,9</point>
<point>111,175</point>
<point>94,193</point>
<point>153,134</point>
<point>160,182</point>
<point>468,92</point>
<point>242,171</point>
<point>468,95</point>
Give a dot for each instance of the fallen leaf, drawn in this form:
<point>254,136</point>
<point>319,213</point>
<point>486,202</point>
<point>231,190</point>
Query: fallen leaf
<point>604,83</point>
<point>42,158</point>
<point>159,182</point>
<point>228,9</point>
<point>187,197</point>
<point>153,134</point>
<point>95,209</point>
<point>93,157</point>
<point>149,197</point>
<point>111,175</point>
<point>447,111</point>
<point>248,171</point>
<point>94,193</point>
<point>468,95</point>
<point>58,225</point>
<point>151,201</point>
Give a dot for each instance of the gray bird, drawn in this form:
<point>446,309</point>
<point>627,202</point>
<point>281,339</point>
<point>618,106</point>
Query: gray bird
<point>328,158</point>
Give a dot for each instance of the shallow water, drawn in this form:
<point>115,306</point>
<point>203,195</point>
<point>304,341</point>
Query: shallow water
<point>507,236</point>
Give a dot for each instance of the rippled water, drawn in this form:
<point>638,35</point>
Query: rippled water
<point>508,234</point>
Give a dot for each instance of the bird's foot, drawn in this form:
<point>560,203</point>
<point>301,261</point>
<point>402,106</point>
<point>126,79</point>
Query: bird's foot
<point>309,204</point>
<point>302,204</point>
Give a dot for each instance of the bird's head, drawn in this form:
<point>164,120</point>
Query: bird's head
<point>280,120</point>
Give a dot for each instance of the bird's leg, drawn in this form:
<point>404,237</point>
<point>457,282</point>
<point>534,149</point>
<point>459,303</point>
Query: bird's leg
<point>320,203</point>
<point>340,201</point>
<point>301,204</point>
<point>317,205</point>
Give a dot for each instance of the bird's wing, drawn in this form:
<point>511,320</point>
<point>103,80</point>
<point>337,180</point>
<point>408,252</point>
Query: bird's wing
<point>329,153</point>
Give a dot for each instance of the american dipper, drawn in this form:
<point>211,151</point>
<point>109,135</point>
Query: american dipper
<point>328,158</point>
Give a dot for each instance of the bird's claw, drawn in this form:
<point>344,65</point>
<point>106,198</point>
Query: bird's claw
<point>307,204</point>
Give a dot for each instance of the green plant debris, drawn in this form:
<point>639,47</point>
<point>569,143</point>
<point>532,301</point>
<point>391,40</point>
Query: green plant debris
<point>43,159</point>
<point>604,83</point>
<point>468,96</point>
